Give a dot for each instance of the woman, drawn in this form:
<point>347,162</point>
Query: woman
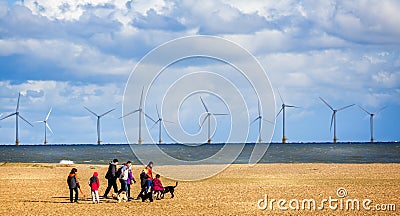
<point>149,172</point>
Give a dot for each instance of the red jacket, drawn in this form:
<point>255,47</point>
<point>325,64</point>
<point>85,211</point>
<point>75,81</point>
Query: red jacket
<point>94,182</point>
<point>149,173</point>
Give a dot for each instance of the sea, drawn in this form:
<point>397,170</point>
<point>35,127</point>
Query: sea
<point>388,152</point>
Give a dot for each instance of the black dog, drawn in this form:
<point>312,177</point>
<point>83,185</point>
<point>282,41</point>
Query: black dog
<point>146,196</point>
<point>170,189</point>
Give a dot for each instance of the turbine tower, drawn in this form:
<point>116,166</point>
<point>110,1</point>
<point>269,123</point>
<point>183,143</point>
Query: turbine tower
<point>17,115</point>
<point>284,116</point>
<point>160,121</point>
<point>141,113</point>
<point>46,126</point>
<point>98,121</point>
<point>208,117</point>
<point>333,119</point>
<point>260,119</point>
<point>371,120</point>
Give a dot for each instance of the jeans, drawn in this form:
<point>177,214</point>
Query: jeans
<point>112,182</point>
<point>128,193</point>
<point>124,186</point>
<point>148,185</point>
<point>71,194</point>
<point>142,192</point>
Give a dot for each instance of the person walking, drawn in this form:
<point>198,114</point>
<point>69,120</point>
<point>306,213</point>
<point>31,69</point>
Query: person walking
<point>111,177</point>
<point>123,178</point>
<point>131,180</point>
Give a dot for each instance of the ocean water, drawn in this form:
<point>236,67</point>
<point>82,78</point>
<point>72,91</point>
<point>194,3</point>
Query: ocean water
<point>276,153</point>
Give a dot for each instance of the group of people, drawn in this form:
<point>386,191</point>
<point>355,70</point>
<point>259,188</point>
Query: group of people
<point>124,175</point>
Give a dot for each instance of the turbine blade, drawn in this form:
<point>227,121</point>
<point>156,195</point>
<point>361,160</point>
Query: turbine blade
<point>38,121</point>
<point>271,122</point>
<point>279,112</point>
<point>346,107</point>
<point>48,114</point>
<point>255,119</point>
<point>205,107</point>
<point>91,111</point>
<point>148,117</point>
<point>280,96</point>
<point>107,112</point>
<point>168,121</point>
<point>333,116</point>
<point>219,114</point>
<point>128,114</point>
<point>25,120</point>
<point>259,108</point>
<point>19,95</point>
<point>364,110</point>
<point>207,116</point>
<point>326,103</point>
<point>154,124</point>
<point>291,106</point>
<point>141,99</point>
<point>8,116</point>
<point>48,126</point>
<point>158,113</point>
<point>380,110</point>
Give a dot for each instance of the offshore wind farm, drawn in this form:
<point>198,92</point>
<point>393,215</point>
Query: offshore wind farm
<point>205,121</point>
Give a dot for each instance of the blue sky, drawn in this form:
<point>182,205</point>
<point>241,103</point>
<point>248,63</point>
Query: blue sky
<point>69,54</point>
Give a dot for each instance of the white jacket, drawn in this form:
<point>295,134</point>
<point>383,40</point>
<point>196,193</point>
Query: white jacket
<point>124,173</point>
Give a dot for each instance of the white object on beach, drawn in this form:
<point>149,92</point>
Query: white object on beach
<point>66,162</point>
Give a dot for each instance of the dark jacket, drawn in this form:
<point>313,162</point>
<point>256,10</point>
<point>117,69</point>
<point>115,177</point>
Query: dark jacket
<point>72,181</point>
<point>112,171</point>
<point>143,178</point>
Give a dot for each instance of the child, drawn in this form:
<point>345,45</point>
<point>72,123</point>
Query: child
<point>158,187</point>
<point>73,184</point>
<point>94,184</point>
<point>130,181</point>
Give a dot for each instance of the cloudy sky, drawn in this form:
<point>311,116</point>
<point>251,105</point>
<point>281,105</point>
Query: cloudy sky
<point>69,54</point>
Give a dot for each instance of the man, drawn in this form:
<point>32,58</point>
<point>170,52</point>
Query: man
<point>111,176</point>
<point>123,178</point>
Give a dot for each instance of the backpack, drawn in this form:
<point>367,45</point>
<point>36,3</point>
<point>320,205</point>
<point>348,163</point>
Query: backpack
<point>92,180</point>
<point>119,172</point>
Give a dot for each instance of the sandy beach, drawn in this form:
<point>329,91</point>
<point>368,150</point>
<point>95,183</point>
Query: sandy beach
<point>41,189</point>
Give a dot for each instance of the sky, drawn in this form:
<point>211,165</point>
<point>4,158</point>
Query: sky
<point>66,55</point>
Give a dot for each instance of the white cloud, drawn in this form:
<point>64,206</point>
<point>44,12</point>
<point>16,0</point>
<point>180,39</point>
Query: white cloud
<point>332,48</point>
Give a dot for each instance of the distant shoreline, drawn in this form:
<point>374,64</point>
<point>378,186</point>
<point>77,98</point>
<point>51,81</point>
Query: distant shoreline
<point>196,144</point>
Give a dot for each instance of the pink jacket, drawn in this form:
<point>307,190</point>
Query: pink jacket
<point>157,185</point>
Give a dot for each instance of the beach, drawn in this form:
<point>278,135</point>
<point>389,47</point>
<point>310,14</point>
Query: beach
<point>41,189</point>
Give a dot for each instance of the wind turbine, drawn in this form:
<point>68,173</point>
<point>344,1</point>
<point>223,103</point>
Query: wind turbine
<point>371,120</point>
<point>160,121</point>
<point>259,119</point>
<point>208,117</point>
<point>17,115</point>
<point>284,116</point>
<point>98,121</point>
<point>333,119</point>
<point>141,113</point>
<point>46,125</point>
